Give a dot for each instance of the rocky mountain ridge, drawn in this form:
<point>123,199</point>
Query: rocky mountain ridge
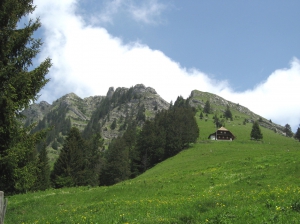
<point>111,114</point>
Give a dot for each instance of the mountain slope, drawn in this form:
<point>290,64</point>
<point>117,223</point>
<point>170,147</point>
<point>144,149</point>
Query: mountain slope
<point>241,113</point>
<point>240,181</point>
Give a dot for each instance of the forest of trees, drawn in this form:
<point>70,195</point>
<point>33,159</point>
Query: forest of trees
<point>82,162</point>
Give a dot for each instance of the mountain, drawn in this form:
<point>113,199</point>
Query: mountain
<point>111,114</point>
<point>95,113</point>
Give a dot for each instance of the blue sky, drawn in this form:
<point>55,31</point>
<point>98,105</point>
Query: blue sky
<point>241,41</point>
<point>245,51</point>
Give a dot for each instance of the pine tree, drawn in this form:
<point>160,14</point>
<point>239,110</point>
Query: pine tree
<point>19,86</point>
<point>43,176</point>
<point>207,108</point>
<point>201,115</point>
<point>69,169</point>
<point>117,167</point>
<point>288,130</point>
<point>227,113</point>
<point>297,134</point>
<point>256,132</point>
<point>93,160</point>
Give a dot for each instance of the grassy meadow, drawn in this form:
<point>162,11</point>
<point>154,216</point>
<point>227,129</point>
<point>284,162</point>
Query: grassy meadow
<point>242,181</point>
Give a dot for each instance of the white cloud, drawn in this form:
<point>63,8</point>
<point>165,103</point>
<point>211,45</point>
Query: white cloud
<point>87,60</point>
<point>146,11</point>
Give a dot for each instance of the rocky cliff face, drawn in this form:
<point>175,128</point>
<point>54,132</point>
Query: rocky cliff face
<point>123,106</point>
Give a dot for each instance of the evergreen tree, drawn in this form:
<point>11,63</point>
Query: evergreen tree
<point>256,132</point>
<point>93,160</point>
<point>19,86</point>
<point>207,108</point>
<point>43,176</point>
<point>117,167</point>
<point>297,134</point>
<point>201,115</point>
<point>227,113</point>
<point>69,169</point>
<point>288,130</point>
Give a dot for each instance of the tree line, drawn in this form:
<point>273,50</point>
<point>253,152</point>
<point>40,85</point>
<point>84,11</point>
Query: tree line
<point>129,155</point>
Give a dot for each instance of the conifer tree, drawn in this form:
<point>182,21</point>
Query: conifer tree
<point>207,108</point>
<point>256,132</point>
<point>297,134</point>
<point>201,115</point>
<point>288,130</point>
<point>19,85</point>
<point>93,160</point>
<point>227,113</point>
<point>117,167</point>
<point>43,176</point>
<point>69,169</point>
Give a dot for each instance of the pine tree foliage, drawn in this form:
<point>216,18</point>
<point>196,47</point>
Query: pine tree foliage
<point>43,175</point>
<point>19,85</point>
<point>117,163</point>
<point>288,130</point>
<point>297,134</point>
<point>256,132</point>
<point>69,168</point>
<point>136,151</point>
<point>207,108</point>
<point>227,113</point>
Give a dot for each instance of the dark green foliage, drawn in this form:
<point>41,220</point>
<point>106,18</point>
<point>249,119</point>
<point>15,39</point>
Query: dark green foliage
<point>93,159</point>
<point>151,145</point>
<point>43,176</point>
<point>256,132</point>
<point>19,165</point>
<point>117,166</point>
<point>167,134</point>
<point>69,169</point>
<point>113,125</point>
<point>19,85</point>
<point>201,115</point>
<point>297,134</point>
<point>207,108</point>
<point>227,113</point>
<point>141,113</point>
<point>217,122</point>
<point>122,159</point>
<point>288,130</point>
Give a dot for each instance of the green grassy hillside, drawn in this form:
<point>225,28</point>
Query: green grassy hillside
<point>242,181</point>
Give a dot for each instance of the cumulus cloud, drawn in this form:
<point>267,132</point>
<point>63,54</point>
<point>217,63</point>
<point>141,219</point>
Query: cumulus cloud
<point>87,60</point>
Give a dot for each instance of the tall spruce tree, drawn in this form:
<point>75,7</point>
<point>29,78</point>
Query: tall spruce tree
<point>227,113</point>
<point>256,132</point>
<point>288,130</point>
<point>297,134</point>
<point>117,167</point>
<point>69,169</point>
<point>43,176</point>
<point>207,108</point>
<point>20,83</point>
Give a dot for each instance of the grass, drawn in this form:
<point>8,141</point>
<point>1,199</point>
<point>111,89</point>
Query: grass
<point>242,181</point>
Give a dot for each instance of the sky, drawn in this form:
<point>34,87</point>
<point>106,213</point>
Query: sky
<point>247,52</point>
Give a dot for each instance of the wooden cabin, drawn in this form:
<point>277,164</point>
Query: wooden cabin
<point>222,134</point>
